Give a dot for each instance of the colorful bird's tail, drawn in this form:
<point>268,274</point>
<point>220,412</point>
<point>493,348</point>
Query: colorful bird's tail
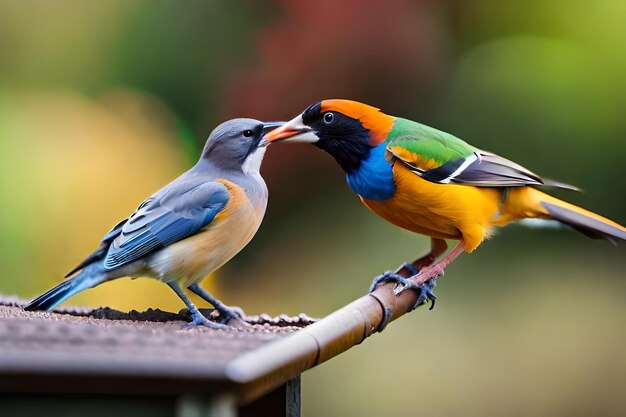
<point>537,204</point>
<point>89,277</point>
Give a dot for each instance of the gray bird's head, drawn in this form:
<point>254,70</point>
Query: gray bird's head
<point>238,144</point>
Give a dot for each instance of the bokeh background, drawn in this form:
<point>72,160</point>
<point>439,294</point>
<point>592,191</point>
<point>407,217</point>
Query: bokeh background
<point>101,103</point>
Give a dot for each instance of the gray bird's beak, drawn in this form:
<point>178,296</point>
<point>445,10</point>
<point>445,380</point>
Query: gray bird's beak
<point>269,126</point>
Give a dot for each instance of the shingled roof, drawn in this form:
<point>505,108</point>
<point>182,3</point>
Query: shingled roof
<point>108,351</point>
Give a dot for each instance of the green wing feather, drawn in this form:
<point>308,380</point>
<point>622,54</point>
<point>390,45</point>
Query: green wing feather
<point>443,158</point>
<point>426,142</point>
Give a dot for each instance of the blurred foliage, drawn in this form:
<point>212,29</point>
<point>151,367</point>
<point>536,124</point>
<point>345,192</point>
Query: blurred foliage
<point>101,103</point>
<point>72,168</point>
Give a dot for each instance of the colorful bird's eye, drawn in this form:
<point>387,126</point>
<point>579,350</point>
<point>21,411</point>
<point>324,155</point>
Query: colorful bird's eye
<point>328,118</point>
<point>248,133</point>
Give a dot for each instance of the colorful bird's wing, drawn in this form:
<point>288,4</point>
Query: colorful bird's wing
<point>424,147</point>
<point>445,159</point>
<point>176,212</point>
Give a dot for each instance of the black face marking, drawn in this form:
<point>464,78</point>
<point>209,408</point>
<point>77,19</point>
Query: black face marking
<point>255,137</point>
<point>343,137</point>
<point>312,113</point>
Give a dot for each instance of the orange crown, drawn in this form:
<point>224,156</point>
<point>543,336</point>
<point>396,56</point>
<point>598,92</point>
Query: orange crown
<point>378,123</point>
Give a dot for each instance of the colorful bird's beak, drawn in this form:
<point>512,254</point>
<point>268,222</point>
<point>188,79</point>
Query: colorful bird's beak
<point>294,131</point>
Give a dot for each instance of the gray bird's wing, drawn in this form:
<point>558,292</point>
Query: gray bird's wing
<point>176,212</point>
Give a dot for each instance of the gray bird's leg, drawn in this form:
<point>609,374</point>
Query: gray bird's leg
<point>197,318</point>
<point>226,313</point>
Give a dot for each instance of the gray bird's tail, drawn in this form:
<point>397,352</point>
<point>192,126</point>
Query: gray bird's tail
<point>89,277</point>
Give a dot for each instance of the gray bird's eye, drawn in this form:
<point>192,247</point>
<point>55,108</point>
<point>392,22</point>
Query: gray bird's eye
<point>328,118</point>
<point>247,133</point>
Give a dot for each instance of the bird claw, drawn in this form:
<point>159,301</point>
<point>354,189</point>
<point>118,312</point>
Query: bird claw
<point>197,319</point>
<point>224,314</point>
<point>386,276</point>
<point>425,290</point>
<point>403,283</point>
<point>231,313</point>
<point>395,276</point>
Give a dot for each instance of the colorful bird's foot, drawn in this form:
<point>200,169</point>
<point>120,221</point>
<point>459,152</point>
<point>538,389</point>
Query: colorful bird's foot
<point>425,291</point>
<point>197,319</point>
<point>398,276</point>
<point>387,276</point>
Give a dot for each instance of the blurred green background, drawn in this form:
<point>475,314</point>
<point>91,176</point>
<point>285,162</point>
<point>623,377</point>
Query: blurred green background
<point>102,103</point>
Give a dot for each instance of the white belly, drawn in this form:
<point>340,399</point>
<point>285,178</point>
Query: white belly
<point>192,259</point>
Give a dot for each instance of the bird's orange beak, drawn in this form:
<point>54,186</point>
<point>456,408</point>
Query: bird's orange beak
<point>294,130</point>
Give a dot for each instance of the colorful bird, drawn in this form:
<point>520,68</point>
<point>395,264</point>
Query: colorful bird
<point>430,182</point>
<point>187,229</point>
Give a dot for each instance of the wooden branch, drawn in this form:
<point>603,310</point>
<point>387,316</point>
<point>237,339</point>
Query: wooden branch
<point>325,339</point>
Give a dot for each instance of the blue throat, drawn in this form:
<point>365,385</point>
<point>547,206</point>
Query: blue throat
<point>373,179</point>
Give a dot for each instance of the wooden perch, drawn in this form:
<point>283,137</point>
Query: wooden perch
<point>323,340</point>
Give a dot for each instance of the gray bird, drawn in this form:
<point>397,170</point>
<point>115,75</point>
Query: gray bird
<point>187,229</point>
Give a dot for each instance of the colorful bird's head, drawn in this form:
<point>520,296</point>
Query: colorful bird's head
<point>345,129</point>
<point>238,144</point>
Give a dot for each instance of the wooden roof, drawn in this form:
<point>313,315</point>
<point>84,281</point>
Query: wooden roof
<point>80,350</point>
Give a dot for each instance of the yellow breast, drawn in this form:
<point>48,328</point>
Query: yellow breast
<point>443,211</point>
<point>192,259</point>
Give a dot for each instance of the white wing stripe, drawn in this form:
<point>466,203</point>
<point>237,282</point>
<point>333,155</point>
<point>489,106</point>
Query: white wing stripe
<point>469,161</point>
